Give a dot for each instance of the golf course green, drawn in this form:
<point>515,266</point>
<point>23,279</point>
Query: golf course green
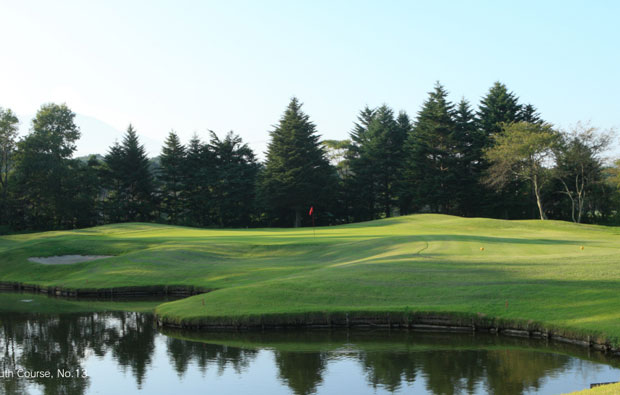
<point>531,275</point>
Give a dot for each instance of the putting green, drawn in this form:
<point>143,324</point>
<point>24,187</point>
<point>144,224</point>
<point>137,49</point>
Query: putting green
<point>521,271</point>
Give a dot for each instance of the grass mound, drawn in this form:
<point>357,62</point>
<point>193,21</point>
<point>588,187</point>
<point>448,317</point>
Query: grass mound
<point>523,271</point>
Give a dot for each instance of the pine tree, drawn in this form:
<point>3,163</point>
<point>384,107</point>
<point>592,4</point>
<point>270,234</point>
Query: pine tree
<point>360,186</point>
<point>172,173</point>
<point>469,145</point>
<point>336,152</point>
<point>497,109</point>
<point>297,174</point>
<point>235,180</point>
<point>84,187</point>
<point>129,178</point>
<point>528,113</point>
<point>138,180</point>
<point>431,161</point>
<point>382,153</point>
<point>8,137</point>
<point>199,177</point>
<point>361,126</point>
<point>114,205</point>
<point>404,128</point>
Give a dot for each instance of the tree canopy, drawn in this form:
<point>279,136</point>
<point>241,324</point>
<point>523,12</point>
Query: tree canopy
<point>498,159</point>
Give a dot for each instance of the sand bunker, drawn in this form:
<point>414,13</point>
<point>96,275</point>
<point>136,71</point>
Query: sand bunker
<point>67,259</point>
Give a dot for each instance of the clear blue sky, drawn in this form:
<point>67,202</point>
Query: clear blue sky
<point>222,65</point>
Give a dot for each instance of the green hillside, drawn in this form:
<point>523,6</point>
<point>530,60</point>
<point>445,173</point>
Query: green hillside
<point>532,272</point>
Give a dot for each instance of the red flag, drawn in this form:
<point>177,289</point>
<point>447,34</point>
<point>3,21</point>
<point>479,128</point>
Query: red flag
<point>311,210</point>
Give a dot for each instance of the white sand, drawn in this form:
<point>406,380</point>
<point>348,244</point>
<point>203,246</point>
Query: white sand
<point>67,259</point>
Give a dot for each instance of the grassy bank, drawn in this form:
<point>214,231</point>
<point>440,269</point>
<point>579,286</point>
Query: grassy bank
<point>611,389</point>
<point>530,273</point>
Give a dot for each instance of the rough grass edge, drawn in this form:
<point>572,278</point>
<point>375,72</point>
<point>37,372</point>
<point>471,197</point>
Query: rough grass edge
<point>606,389</point>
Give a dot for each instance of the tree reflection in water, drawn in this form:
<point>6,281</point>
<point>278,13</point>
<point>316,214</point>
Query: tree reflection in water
<point>301,371</point>
<point>445,364</point>
<point>499,372</point>
<point>182,353</point>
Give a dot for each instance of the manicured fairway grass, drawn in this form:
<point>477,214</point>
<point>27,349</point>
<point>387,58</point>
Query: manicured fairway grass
<point>528,270</point>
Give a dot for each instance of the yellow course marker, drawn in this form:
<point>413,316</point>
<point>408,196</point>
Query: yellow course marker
<point>581,248</point>
<point>481,248</point>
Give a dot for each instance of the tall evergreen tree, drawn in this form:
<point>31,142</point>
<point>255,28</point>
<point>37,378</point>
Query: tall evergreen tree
<point>297,174</point>
<point>8,140</point>
<point>199,178</point>
<point>138,180</point>
<point>233,191</point>
<point>468,145</point>
<point>404,128</point>
<point>431,164</point>
<point>172,173</point>
<point>336,152</point>
<point>85,187</point>
<point>361,126</point>
<point>360,186</point>
<point>382,152</point>
<point>497,107</point>
<point>128,170</point>
<point>528,113</point>
<point>114,205</point>
<point>501,107</point>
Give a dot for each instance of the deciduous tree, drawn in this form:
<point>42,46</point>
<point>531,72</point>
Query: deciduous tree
<point>42,168</point>
<point>522,151</point>
<point>579,165</point>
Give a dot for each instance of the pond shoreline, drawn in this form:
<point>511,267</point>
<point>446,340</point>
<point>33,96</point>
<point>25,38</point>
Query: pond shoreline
<point>149,290</point>
<point>418,322</point>
<point>415,321</point>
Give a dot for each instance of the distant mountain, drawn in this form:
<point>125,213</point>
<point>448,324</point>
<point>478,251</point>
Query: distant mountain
<point>97,136</point>
<point>86,158</point>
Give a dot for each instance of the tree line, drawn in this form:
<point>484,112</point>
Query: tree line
<point>501,160</point>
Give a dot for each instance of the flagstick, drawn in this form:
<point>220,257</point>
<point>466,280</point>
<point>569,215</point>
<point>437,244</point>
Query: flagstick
<point>311,213</point>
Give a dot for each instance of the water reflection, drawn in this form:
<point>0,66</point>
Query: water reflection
<point>301,371</point>
<point>182,353</point>
<point>300,363</point>
<point>499,372</point>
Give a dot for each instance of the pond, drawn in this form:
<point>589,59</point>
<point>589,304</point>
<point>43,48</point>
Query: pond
<point>125,352</point>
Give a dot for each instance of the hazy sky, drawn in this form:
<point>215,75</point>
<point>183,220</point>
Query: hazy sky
<point>226,65</point>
